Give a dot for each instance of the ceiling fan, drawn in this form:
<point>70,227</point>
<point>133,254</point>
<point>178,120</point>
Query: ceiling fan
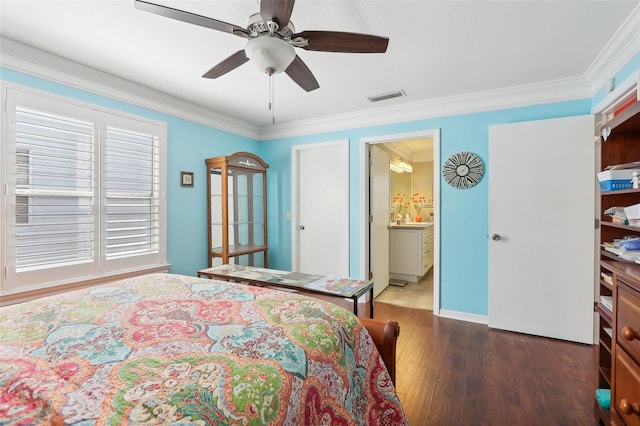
<point>271,40</point>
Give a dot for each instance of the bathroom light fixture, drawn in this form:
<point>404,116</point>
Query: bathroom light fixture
<point>394,168</point>
<point>401,167</point>
<point>406,167</point>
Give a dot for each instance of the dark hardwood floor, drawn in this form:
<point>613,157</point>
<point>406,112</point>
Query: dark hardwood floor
<point>460,373</point>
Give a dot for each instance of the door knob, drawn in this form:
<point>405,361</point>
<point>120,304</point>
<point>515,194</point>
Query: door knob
<point>495,237</point>
<point>301,227</point>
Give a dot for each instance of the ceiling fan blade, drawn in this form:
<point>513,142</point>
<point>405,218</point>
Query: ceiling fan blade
<point>191,18</point>
<point>277,10</point>
<point>336,41</point>
<point>229,64</point>
<point>300,73</point>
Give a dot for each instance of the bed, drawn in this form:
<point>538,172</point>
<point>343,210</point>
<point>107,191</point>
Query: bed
<point>172,349</point>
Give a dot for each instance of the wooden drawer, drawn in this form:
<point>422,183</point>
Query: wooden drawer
<point>627,389</point>
<point>628,320</point>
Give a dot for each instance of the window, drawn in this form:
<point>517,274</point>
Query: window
<point>132,188</point>
<point>84,192</point>
<point>54,190</point>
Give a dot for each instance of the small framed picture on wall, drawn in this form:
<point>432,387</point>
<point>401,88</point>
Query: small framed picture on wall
<point>186,179</point>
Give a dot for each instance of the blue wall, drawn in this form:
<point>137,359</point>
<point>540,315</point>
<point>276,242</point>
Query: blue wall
<point>464,213</point>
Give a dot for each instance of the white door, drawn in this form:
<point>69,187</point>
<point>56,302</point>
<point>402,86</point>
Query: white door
<point>541,227</point>
<point>379,199</point>
<point>321,209</point>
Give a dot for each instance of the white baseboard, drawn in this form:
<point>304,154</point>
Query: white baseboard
<point>463,316</point>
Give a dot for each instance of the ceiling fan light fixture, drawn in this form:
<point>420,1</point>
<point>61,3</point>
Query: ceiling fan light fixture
<point>270,54</point>
<point>271,40</point>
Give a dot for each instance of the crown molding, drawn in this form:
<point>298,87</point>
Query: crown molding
<point>621,49</point>
<point>510,97</point>
<point>29,60</point>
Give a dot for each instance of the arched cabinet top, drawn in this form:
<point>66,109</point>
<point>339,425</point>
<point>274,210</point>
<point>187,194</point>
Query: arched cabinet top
<point>245,160</point>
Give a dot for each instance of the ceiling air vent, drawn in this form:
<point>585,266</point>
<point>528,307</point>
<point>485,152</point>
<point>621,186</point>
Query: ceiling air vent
<point>386,96</point>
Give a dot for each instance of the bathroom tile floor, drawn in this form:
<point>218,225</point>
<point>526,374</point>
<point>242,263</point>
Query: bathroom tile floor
<point>413,295</point>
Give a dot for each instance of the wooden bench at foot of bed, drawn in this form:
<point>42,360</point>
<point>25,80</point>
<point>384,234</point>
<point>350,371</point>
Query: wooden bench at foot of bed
<point>385,336</point>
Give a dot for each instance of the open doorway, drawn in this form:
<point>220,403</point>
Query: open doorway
<point>421,151</point>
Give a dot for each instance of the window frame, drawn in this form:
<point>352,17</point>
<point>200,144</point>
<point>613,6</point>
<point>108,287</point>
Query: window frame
<point>99,269</point>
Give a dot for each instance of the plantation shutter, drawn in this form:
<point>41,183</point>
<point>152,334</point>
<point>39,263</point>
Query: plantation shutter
<point>84,193</point>
<point>54,190</point>
<point>132,190</point>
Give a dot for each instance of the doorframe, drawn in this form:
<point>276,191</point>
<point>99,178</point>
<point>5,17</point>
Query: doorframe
<point>364,191</point>
<point>295,197</point>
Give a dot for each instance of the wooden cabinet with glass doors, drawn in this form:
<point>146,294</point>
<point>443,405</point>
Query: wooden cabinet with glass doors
<point>237,210</point>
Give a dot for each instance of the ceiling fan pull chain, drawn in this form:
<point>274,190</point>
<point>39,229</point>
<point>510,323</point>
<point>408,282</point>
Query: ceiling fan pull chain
<point>272,106</point>
<point>273,99</point>
<point>270,78</point>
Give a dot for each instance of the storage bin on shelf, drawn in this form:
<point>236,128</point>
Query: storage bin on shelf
<point>615,180</point>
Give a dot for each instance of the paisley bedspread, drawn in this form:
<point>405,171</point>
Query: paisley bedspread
<point>176,350</point>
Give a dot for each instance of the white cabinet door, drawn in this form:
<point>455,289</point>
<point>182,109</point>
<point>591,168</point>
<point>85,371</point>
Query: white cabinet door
<point>541,214</point>
<point>406,252</point>
<point>428,250</point>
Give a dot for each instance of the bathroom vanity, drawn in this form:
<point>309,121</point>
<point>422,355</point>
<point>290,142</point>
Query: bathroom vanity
<point>410,250</point>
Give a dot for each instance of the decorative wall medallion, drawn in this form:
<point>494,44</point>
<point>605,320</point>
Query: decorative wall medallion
<point>463,170</point>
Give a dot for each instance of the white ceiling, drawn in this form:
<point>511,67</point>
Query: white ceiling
<point>412,150</point>
<point>437,49</point>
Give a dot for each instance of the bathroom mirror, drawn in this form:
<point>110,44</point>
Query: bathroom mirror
<point>401,183</point>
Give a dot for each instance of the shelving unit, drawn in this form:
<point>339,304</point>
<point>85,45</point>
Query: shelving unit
<point>604,344</point>
<point>237,210</point>
<point>622,146</point>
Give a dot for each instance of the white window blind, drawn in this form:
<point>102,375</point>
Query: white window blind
<point>84,194</point>
<point>54,190</point>
<point>132,193</point>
